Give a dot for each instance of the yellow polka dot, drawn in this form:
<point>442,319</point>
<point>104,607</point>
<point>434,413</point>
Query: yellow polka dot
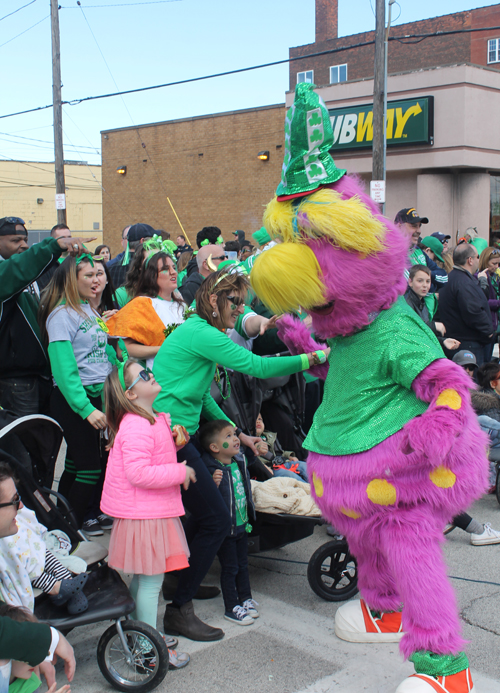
<point>449,398</point>
<point>350,513</point>
<point>318,485</point>
<point>381,492</point>
<point>442,477</point>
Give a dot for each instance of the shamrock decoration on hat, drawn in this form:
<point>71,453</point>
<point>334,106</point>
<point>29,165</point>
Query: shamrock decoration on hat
<point>308,139</point>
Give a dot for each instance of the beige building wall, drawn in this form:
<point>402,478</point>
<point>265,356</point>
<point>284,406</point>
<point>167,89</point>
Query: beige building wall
<point>27,190</point>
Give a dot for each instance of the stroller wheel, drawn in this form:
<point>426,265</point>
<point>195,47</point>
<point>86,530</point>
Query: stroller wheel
<point>146,666</point>
<point>332,572</point>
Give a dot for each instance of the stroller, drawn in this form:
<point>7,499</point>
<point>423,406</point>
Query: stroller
<point>332,570</point>
<point>30,445</point>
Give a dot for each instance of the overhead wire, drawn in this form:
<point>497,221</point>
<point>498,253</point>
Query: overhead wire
<point>23,32</point>
<point>34,139</point>
<point>18,10</point>
<point>143,144</point>
<point>123,4</point>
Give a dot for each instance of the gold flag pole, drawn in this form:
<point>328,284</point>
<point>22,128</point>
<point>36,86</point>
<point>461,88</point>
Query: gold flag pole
<point>178,220</point>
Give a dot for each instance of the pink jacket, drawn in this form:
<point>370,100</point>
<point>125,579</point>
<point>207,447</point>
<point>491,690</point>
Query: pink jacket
<point>142,477</point>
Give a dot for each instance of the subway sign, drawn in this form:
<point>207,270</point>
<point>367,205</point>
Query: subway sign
<point>409,122</point>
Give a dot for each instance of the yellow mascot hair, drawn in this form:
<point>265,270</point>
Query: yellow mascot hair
<point>287,277</point>
<point>348,224</point>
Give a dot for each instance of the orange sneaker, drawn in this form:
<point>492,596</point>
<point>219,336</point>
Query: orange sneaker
<point>421,683</point>
<point>355,623</point>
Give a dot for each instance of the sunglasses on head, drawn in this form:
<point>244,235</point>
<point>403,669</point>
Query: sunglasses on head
<point>16,502</point>
<point>11,220</point>
<point>143,375</point>
<point>236,300</point>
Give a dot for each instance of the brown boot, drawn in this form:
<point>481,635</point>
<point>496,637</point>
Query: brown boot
<point>184,622</point>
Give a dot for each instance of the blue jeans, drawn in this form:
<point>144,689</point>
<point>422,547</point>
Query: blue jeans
<point>234,577</point>
<point>301,471</point>
<point>207,526</point>
<point>25,395</point>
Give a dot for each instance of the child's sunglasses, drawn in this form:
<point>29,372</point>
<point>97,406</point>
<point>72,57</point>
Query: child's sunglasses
<point>143,375</point>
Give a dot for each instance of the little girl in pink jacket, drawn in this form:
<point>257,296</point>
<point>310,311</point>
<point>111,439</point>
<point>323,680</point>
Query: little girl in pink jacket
<point>142,490</point>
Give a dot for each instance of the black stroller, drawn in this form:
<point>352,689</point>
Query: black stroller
<point>332,570</point>
<point>126,650</point>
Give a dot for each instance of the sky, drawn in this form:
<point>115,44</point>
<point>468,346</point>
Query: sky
<point>112,45</point>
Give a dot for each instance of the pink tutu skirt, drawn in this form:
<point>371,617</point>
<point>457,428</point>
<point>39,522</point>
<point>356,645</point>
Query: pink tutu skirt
<point>148,547</point>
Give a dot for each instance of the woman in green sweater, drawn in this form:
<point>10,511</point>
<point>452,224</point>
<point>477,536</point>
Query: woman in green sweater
<point>77,340</point>
<point>185,367</point>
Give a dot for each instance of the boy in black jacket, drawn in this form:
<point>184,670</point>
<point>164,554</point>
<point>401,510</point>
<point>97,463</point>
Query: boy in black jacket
<point>229,472</point>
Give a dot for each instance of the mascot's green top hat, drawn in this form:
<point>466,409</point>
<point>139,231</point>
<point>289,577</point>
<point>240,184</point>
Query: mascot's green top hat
<point>307,165</point>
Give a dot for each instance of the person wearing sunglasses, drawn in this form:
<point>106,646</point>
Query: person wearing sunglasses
<point>77,340</point>
<point>24,365</point>
<point>208,260</point>
<point>34,643</point>
<point>185,367</point>
<point>489,281</point>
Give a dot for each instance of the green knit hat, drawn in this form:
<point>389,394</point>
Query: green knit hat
<point>308,139</point>
<point>261,236</point>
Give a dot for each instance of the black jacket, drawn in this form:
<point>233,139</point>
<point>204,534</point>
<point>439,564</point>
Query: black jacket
<point>226,486</point>
<point>191,286</point>
<point>464,309</point>
<point>22,352</point>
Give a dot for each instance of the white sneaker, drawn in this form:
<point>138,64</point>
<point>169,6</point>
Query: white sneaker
<point>250,606</point>
<point>489,536</point>
<point>239,615</point>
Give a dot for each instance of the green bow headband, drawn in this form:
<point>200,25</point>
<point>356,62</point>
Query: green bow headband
<point>85,257</point>
<point>156,245</point>
<point>219,241</point>
<point>120,365</point>
<point>222,276</point>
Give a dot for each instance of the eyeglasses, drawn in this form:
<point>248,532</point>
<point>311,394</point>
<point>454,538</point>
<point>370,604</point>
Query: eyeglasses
<point>236,300</point>
<point>11,220</point>
<point>219,257</point>
<point>143,375</point>
<point>16,502</point>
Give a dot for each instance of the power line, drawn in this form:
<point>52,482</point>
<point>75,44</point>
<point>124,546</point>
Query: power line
<point>362,44</point>
<point>33,139</point>
<point>18,10</point>
<point>23,32</point>
<point>125,4</point>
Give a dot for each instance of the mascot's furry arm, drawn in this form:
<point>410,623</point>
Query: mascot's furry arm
<point>446,386</point>
<point>299,341</point>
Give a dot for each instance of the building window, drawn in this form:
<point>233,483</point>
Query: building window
<point>338,73</point>
<point>494,51</point>
<point>305,76</point>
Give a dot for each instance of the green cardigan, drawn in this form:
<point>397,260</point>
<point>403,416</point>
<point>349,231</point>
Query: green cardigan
<point>185,367</point>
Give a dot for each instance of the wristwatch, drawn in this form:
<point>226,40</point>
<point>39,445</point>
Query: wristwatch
<point>238,431</point>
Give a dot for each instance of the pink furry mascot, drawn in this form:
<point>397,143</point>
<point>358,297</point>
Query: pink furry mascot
<point>395,448</point>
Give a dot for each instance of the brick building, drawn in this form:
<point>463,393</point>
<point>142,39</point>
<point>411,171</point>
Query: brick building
<point>207,166</point>
<point>443,151</point>
<point>403,55</point>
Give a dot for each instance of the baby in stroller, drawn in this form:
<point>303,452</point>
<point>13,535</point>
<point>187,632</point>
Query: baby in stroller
<point>278,461</point>
<point>25,563</point>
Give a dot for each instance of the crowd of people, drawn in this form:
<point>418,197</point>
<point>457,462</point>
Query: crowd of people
<point>124,353</point>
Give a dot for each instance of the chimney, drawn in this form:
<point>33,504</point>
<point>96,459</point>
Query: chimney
<point>326,20</point>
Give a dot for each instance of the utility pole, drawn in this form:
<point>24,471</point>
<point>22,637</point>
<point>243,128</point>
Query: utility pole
<point>378,95</point>
<point>56,100</point>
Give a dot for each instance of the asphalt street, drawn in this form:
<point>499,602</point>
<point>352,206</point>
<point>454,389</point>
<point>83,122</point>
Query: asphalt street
<point>292,647</point>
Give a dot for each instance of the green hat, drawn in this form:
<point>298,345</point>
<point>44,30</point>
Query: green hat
<point>261,236</point>
<point>435,245</point>
<point>480,244</point>
<point>308,139</point>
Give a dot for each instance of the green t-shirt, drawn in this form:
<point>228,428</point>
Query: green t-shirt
<point>25,685</point>
<point>368,395</point>
<point>122,296</point>
<point>185,367</point>
<point>240,499</point>
<point>417,257</point>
